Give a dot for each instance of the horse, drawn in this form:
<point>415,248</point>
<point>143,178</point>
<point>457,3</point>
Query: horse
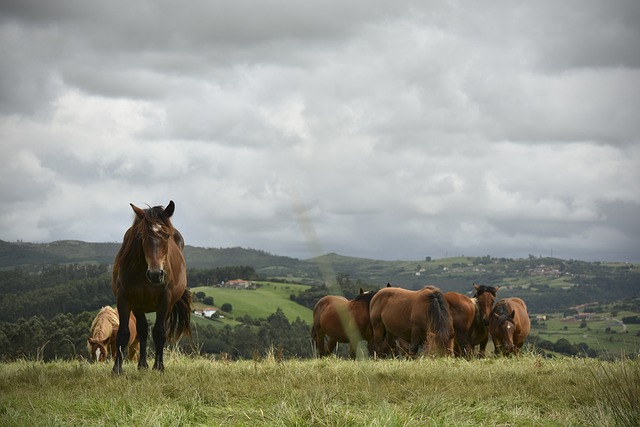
<point>149,274</point>
<point>470,319</point>
<point>102,341</point>
<point>509,326</point>
<point>417,317</point>
<point>341,320</point>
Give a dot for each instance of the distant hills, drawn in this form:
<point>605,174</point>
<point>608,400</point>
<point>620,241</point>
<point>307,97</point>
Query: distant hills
<point>14,254</point>
<point>544,279</point>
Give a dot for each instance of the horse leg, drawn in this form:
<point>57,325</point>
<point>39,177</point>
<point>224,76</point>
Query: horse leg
<point>417,339</point>
<point>142,327</point>
<point>380,343</point>
<point>331,346</point>
<point>483,347</point>
<point>463,346</point>
<point>319,342</point>
<point>159,338</point>
<point>122,338</point>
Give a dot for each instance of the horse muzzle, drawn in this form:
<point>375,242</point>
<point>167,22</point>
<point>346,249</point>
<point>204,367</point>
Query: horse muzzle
<point>156,276</point>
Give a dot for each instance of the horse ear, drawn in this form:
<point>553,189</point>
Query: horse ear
<point>139,212</point>
<point>168,211</point>
<point>497,288</point>
<point>513,314</point>
<point>476,287</point>
<point>361,291</point>
<point>388,285</point>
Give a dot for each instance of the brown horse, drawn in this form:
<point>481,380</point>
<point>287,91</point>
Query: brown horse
<point>470,319</point>
<point>509,325</point>
<point>340,320</point>
<point>149,274</point>
<point>417,317</point>
<point>102,341</point>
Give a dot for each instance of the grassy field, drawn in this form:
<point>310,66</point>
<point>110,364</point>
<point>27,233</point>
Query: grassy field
<point>525,391</point>
<point>261,302</point>
<point>601,333</point>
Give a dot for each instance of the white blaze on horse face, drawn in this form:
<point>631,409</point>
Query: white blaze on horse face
<point>156,228</point>
<point>98,352</point>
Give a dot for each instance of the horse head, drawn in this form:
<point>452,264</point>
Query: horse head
<point>97,350</point>
<point>485,298</point>
<point>155,231</point>
<point>503,327</point>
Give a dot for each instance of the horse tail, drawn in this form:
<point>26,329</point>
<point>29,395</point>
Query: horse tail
<point>440,321</point>
<point>179,320</point>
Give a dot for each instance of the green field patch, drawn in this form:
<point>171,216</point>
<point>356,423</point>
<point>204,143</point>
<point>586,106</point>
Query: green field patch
<point>262,302</point>
<point>601,333</point>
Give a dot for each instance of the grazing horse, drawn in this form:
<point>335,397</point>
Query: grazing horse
<point>416,317</point>
<point>471,318</point>
<point>102,341</point>
<point>341,320</point>
<point>509,325</point>
<point>149,274</point>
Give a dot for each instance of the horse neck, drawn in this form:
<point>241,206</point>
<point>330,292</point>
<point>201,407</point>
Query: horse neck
<point>102,330</point>
<point>477,319</point>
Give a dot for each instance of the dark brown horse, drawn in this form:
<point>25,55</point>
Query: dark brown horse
<point>339,320</point>
<point>149,274</point>
<point>417,317</point>
<point>509,325</point>
<point>102,340</point>
<point>471,318</point>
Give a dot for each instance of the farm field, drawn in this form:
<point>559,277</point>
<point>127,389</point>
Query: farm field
<point>601,333</point>
<point>261,302</point>
<point>522,391</point>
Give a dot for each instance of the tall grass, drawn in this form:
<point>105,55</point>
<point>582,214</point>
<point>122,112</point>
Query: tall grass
<point>618,383</point>
<point>524,391</point>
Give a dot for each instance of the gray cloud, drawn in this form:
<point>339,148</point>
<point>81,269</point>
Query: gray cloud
<point>391,131</point>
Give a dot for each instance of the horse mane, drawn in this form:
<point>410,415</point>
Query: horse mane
<point>502,311</point>
<point>106,317</point>
<point>439,315</point>
<point>484,288</point>
<point>365,296</point>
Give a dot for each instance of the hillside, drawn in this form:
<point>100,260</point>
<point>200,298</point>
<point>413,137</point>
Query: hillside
<point>62,283</point>
<point>547,284</point>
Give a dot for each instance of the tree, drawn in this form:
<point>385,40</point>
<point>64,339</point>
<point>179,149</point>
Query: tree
<point>227,307</point>
<point>208,300</point>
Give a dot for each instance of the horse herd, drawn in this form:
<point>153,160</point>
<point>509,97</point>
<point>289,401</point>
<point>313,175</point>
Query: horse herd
<point>400,321</point>
<point>149,275</point>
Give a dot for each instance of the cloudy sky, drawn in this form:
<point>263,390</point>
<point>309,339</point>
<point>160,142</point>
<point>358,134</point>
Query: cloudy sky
<point>378,129</point>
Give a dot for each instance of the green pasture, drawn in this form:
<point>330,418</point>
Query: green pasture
<point>601,333</point>
<point>261,302</point>
<point>266,391</point>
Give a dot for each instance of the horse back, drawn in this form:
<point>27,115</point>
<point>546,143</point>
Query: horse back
<point>327,316</point>
<point>392,307</point>
<point>462,309</point>
<point>523,323</point>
